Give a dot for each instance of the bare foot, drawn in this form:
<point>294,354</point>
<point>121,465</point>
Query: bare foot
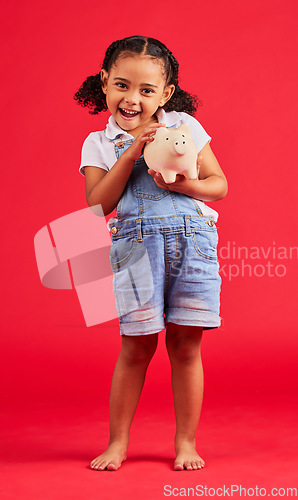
<point>187,457</point>
<point>111,458</point>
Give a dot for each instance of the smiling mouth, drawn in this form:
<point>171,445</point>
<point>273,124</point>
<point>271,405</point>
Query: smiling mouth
<point>128,113</point>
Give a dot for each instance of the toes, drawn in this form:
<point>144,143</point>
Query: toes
<point>112,466</point>
<point>178,466</point>
<point>192,464</point>
<point>102,465</point>
<point>98,465</point>
<point>94,463</point>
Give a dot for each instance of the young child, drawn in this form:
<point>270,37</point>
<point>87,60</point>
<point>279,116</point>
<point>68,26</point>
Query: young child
<point>164,238</point>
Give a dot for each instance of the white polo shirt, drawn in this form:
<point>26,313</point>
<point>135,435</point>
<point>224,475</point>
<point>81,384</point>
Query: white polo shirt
<point>98,148</point>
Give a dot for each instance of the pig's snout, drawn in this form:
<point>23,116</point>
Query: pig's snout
<point>180,146</point>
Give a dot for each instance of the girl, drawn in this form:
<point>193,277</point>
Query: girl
<point>164,238</point>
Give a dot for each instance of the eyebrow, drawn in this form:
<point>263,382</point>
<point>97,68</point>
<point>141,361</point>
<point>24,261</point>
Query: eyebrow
<point>142,84</point>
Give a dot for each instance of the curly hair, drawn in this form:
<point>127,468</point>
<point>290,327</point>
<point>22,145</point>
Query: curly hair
<point>90,93</point>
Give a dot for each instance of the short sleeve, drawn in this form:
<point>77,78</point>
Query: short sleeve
<point>92,154</point>
<point>199,134</point>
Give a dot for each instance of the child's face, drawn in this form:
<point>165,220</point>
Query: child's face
<point>135,88</point>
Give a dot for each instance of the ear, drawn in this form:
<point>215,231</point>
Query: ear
<point>185,129</point>
<point>167,94</point>
<point>104,80</point>
<point>161,132</point>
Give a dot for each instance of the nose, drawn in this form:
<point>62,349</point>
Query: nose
<point>180,146</point>
<point>131,97</point>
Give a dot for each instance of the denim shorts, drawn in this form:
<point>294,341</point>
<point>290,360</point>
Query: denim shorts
<point>165,269</point>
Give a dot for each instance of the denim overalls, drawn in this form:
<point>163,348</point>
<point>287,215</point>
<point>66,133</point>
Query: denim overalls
<point>163,257</point>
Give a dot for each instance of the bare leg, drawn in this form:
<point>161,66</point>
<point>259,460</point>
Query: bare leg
<point>184,349</point>
<point>127,383</point>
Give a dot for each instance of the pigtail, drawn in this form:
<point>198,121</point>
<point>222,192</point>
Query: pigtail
<point>182,101</point>
<point>90,95</point>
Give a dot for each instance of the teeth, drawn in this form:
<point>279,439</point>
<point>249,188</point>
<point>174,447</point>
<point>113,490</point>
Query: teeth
<point>130,112</point>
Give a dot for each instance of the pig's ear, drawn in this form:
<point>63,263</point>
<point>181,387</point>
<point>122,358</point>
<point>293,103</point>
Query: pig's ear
<point>161,132</point>
<point>184,129</point>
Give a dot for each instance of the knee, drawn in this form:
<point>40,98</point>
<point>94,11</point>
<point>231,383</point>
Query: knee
<point>182,351</point>
<point>138,350</point>
<point>184,348</point>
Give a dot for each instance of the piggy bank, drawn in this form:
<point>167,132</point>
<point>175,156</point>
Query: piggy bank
<point>172,152</point>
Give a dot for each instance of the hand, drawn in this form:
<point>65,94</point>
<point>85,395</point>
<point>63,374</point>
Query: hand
<point>181,183</point>
<point>199,162</point>
<point>135,150</point>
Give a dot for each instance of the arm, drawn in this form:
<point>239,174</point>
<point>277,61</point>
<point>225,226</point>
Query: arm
<point>106,188</point>
<point>211,183</point>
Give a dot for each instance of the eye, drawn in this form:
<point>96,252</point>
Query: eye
<point>121,85</point>
<point>148,91</point>
<point>167,138</point>
<point>183,135</point>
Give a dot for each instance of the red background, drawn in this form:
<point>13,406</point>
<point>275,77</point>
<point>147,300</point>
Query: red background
<point>240,59</point>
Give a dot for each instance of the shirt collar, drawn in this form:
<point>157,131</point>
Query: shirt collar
<point>113,131</point>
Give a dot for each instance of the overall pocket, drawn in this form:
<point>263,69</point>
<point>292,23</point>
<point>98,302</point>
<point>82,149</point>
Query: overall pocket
<point>205,241</point>
<point>143,184</point>
<point>122,252</point>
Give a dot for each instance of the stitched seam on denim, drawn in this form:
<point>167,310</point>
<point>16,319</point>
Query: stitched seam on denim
<point>205,229</point>
<point>148,230</point>
<point>174,202</point>
<point>140,194</point>
<point>194,230</point>
<point>131,234</point>
<point>141,205</point>
<point>118,263</point>
<point>199,252</point>
<point>118,153</point>
<point>166,286</point>
<point>157,218</point>
<point>119,207</point>
<point>167,242</point>
<point>177,256</point>
<point>172,230</point>
<point>132,180</point>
